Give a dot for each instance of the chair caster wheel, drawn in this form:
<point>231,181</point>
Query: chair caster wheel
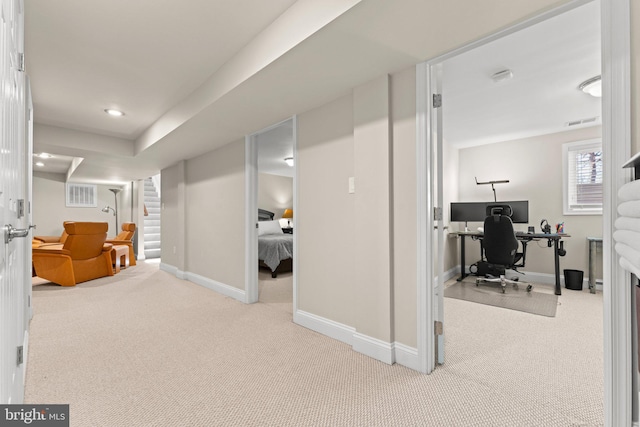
<point>529,288</point>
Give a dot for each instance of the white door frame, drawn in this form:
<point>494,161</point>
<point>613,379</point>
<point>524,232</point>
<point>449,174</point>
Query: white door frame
<point>251,213</point>
<point>616,119</point>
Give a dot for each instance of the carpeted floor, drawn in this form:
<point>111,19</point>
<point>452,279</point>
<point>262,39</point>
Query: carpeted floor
<point>146,349</point>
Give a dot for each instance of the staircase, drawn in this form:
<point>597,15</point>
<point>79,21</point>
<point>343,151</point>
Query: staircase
<point>152,221</point>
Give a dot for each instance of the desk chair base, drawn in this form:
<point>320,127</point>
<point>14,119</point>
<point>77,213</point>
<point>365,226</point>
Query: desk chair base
<point>503,282</point>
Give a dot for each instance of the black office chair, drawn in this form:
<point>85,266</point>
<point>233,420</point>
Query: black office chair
<point>500,246</point>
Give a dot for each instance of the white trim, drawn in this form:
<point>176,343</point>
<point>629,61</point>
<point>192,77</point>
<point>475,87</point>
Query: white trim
<point>221,288</point>
<point>616,144</point>
<point>424,291</point>
<point>295,209</point>
<point>373,347</point>
<point>330,328</point>
<point>380,350</point>
<point>406,356</point>
<point>250,218</point>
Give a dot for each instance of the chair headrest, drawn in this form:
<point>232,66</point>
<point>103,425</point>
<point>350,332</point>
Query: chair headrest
<point>499,210</point>
<point>129,226</point>
<point>86,227</point>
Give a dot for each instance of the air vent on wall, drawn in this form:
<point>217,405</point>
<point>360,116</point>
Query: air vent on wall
<point>82,195</point>
<point>582,121</point>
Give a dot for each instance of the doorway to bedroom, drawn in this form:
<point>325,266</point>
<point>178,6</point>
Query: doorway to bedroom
<point>274,198</point>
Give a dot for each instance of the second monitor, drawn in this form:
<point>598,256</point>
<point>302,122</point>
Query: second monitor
<point>477,211</point>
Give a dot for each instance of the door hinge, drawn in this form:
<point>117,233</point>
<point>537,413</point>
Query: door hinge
<point>437,214</point>
<point>21,62</point>
<point>20,355</point>
<point>437,328</point>
<point>437,100</point>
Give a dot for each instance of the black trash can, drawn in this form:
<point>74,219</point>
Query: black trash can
<point>573,279</point>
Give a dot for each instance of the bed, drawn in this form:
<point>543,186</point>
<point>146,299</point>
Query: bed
<point>275,248</point>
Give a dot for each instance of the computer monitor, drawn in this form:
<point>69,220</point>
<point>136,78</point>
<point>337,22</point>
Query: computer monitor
<point>468,211</point>
<point>477,211</point>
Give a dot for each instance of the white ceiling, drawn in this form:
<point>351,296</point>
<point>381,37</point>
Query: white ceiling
<point>196,74</point>
<point>548,61</point>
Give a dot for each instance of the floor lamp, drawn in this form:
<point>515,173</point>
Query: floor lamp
<point>115,211</point>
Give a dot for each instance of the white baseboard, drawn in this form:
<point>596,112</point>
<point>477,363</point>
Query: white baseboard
<point>335,330</point>
<point>373,347</point>
<point>407,356</point>
<point>221,288</point>
<point>385,352</point>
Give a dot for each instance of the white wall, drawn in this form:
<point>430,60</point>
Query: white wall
<point>50,210</point>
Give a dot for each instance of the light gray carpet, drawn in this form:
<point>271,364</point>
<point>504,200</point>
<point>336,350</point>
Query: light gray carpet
<point>144,348</point>
<point>519,299</point>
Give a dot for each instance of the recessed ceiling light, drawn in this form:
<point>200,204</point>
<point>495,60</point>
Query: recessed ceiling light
<point>289,160</point>
<point>44,155</point>
<point>112,112</point>
<point>40,164</point>
<point>593,86</point>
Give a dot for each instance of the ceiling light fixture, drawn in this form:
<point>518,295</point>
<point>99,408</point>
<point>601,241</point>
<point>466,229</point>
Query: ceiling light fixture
<point>289,160</point>
<point>44,155</point>
<point>593,86</point>
<point>40,164</point>
<point>114,113</point>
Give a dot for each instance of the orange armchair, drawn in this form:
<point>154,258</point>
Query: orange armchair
<point>84,256</point>
<point>124,238</point>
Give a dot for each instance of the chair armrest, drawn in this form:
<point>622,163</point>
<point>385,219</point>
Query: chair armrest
<point>119,242</point>
<point>107,247</point>
<point>48,239</point>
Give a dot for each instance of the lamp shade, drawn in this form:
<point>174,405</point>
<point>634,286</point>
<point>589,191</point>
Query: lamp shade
<point>288,213</point>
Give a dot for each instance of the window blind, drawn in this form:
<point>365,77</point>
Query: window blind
<point>585,176</point>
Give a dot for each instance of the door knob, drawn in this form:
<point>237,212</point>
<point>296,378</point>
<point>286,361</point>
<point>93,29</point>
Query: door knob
<point>11,233</point>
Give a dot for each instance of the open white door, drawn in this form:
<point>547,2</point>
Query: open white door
<point>15,279</point>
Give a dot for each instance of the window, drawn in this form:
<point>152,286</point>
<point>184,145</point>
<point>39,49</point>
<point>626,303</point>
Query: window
<point>582,162</point>
<point>82,195</point>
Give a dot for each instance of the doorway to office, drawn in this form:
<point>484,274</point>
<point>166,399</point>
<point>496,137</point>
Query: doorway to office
<point>271,194</point>
<point>431,132</point>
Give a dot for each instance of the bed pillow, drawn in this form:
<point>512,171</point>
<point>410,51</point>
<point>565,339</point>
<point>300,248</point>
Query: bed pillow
<point>269,227</point>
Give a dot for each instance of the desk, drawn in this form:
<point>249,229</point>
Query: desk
<point>526,237</point>
<point>593,246</point>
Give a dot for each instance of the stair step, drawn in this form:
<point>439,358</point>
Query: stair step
<point>152,230</point>
<point>153,210</point>
<point>151,237</point>
<point>152,253</point>
<point>151,245</point>
<point>150,193</point>
<point>152,203</point>
<point>152,216</point>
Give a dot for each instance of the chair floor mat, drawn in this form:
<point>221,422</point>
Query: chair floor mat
<point>513,299</point>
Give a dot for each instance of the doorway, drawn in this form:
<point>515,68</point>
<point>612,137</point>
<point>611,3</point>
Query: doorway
<point>270,267</point>
<point>616,148</point>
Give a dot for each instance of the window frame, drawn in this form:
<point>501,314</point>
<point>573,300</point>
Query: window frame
<point>566,149</point>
